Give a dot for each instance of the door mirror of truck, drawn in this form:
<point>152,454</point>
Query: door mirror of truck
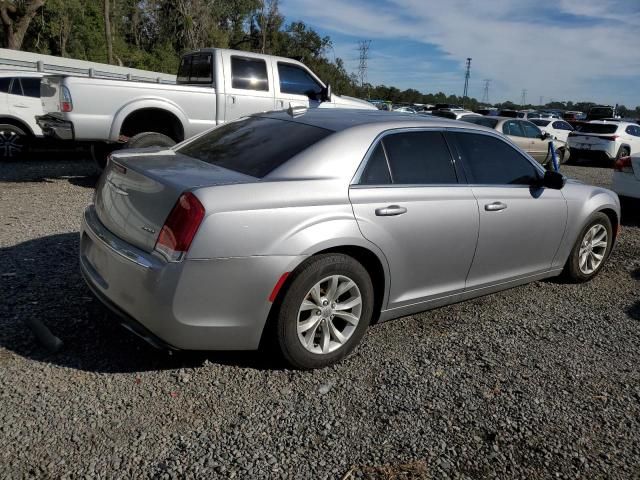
<point>326,93</point>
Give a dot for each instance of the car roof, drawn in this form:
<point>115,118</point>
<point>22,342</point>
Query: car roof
<point>338,119</point>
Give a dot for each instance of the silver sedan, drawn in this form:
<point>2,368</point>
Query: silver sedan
<point>300,229</point>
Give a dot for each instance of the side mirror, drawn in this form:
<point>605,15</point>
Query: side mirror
<point>554,180</point>
<point>326,93</point>
<point>545,136</point>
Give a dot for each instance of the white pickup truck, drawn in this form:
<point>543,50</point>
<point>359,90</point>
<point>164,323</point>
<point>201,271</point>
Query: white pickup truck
<point>213,86</point>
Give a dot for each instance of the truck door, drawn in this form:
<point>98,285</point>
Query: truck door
<point>295,86</point>
<point>249,85</point>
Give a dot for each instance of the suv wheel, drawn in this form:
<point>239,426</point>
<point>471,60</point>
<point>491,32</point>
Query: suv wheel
<point>13,142</point>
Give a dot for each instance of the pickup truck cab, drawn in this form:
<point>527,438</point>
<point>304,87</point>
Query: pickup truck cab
<point>213,86</point>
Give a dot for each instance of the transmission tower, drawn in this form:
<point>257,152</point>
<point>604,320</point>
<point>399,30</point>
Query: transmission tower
<point>523,99</point>
<point>466,81</point>
<point>364,55</point>
<point>485,94</point>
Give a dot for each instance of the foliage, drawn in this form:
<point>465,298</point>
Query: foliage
<point>152,34</point>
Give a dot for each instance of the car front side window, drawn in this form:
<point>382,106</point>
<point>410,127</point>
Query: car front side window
<point>513,128</point>
<point>492,161</point>
<point>298,81</point>
<point>249,74</point>
<point>419,158</point>
<point>530,130</point>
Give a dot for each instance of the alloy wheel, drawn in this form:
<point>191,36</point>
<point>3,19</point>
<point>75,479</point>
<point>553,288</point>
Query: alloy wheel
<point>592,249</point>
<point>329,314</point>
<point>11,144</point>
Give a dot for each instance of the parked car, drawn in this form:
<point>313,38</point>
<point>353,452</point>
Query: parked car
<point>214,86</point>
<point>301,230</point>
<point>454,113</point>
<point>626,177</point>
<point>404,109</point>
<point>558,129</point>
<point>600,112</point>
<point>528,114</point>
<point>508,113</point>
<point>605,140</point>
<point>527,136</point>
<point>19,104</point>
<point>573,115</point>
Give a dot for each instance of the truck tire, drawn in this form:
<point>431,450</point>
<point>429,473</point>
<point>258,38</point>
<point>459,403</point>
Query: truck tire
<point>150,139</point>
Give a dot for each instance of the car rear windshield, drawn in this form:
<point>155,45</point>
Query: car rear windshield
<point>597,128</point>
<point>254,146</point>
<point>540,122</point>
<point>484,121</point>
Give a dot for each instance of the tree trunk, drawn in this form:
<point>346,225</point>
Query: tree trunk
<point>15,28</point>
<point>107,32</point>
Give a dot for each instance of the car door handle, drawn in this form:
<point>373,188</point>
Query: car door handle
<point>495,206</point>
<point>390,211</point>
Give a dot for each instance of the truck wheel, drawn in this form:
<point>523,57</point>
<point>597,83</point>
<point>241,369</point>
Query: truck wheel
<point>150,139</point>
<point>13,142</point>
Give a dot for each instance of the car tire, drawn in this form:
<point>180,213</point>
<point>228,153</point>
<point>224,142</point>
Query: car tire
<point>580,266</point>
<point>623,152</point>
<point>14,142</point>
<point>150,139</point>
<point>561,155</point>
<point>311,334</point>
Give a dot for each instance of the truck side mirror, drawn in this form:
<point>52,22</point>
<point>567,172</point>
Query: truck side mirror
<point>326,93</point>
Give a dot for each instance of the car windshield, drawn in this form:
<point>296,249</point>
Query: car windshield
<point>248,146</point>
<point>484,121</point>
<point>540,122</point>
<point>597,128</point>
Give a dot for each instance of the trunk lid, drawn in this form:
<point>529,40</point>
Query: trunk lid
<point>138,190</point>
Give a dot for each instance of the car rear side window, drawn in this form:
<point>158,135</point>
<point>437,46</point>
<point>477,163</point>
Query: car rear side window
<point>421,158</point>
<point>31,87</point>
<point>196,69</point>
<point>597,128</point>
<point>491,161</point>
<point>16,88</point>
<point>253,146</point>
<point>249,74</point>
<point>377,170</point>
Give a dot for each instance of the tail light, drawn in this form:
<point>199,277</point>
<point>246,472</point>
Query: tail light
<point>623,164</point>
<point>180,227</point>
<point>66,103</point>
<point>611,138</point>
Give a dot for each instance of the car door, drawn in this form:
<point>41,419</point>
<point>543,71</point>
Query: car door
<point>295,86</point>
<point>561,130</point>
<point>407,200</point>
<point>24,101</point>
<point>513,129</point>
<point>539,147</point>
<point>521,225</point>
<point>633,138</point>
<point>248,85</point>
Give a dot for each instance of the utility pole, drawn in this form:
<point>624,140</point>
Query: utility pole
<point>485,94</point>
<point>364,56</point>
<point>523,99</point>
<point>466,81</point>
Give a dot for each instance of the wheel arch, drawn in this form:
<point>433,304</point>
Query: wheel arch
<point>613,218</point>
<point>129,120</point>
<point>16,122</point>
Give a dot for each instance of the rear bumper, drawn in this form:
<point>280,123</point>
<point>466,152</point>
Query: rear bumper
<point>593,154</point>
<point>216,304</point>
<point>625,184</point>
<point>55,127</point>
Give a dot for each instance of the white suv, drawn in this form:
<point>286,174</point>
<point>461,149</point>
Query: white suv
<point>605,140</point>
<point>19,105</point>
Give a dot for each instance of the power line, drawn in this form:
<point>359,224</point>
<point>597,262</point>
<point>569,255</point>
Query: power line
<point>363,46</point>
<point>523,99</point>
<point>466,81</point>
<point>485,95</point>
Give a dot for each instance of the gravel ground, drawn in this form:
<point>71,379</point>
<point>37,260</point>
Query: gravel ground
<point>539,381</point>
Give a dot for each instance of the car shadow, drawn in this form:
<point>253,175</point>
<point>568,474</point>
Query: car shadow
<point>40,282</point>
<point>75,166</point>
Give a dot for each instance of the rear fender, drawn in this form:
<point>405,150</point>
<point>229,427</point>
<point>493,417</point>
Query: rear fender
<point>142,103</point>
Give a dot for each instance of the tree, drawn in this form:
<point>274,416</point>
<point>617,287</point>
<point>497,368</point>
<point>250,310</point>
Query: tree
<point>16,15</point>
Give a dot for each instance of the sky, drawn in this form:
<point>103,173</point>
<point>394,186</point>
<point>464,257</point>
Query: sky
<point>579,50</point>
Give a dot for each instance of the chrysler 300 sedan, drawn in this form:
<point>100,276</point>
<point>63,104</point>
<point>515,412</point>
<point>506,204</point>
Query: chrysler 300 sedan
<point>300,229</point>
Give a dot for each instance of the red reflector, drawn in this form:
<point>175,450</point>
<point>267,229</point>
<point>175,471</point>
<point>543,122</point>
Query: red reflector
<point>622,164</point>
<point>278,286</point>
<point>180,227</point>
<point>66,106</point>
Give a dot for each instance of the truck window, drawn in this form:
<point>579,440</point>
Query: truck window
<point>249,74</point>
<point>296,80</point>
<point>196,69</point>
<point>247,145</point>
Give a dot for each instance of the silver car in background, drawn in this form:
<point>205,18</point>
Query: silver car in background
<point>300,229</point>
